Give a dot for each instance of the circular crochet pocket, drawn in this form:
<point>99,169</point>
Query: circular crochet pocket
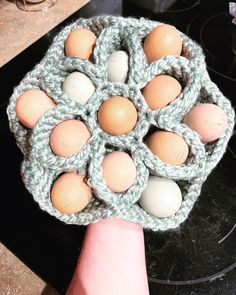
<point>41,167</point>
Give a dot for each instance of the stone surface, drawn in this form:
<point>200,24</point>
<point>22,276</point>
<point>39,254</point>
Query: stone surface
<point>19,29</point>
<point>17,279</point>
<point>16,32</point>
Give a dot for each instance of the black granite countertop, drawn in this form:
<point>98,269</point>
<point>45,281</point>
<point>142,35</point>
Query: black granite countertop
<point>197,258</point>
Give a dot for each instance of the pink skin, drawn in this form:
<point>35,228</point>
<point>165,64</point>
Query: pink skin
<point>112,260</point>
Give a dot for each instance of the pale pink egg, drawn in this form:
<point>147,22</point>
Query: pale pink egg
<point>69,137</point>
<point>119,171</point>
<point>31,105</point>
<point>208,120</point>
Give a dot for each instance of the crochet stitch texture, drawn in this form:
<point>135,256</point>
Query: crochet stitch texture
<point>41,167</point>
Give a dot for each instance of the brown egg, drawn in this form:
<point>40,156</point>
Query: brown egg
<point>117,115</point>
<point>160,91</point>
<point>163,40</point>
<point>31,105</point>
<point>169,147</point>
<point>70,193</point>
<point>80,43</point>
<point>69,137</point>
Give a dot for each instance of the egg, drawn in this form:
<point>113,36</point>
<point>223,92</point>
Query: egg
<point>69,137</point>
<point>161,198</point>
<point>78,87</point>
<point>117,115</point>
<point>117,66</point>
<point>168,146</point>
<point>31,105</point>
<point>161,41</point>
<point>160,91</point>
<point>119,171</point>
<point>208,120</point>
<point>70,193</point>
<point>80,43</point>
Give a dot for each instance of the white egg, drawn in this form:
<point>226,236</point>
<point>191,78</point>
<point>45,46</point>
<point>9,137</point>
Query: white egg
<point>162,197</point>
<point>78,87</point>
<point>117,66</point>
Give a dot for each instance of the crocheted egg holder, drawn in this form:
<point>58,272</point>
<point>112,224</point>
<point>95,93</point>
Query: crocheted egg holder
<point>169,118</point>
<point>134,212</point>
<point>52,78</point>
<point>40,140</point>
<point>193,166</point>
<point>38,180</point>
<point>123,90</point>
<point>56,52</point>
<point>116,201</point>
<point>190,80</point>
<point>22,134</point>
<point>210,93</point>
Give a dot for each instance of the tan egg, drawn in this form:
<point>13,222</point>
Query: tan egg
<point>163,40</point>
<point>117,115</point>
<point>31,105</point>
<point>80,43</point>
<point>208,120</point>
<point>119,171</point>
<point>169,147</point>
<point>70,193</point>
<point>160,91</point>
<point>69,137</point>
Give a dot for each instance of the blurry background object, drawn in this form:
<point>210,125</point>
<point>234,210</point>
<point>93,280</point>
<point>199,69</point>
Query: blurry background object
<point>175,12</point>
<point>35,5</point>
<point>155,5</point>
<point>19,28</point>
<point>232,11</point>
<point>96,7</point>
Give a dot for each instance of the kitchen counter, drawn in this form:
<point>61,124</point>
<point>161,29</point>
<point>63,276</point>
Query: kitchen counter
<point>19,29</point>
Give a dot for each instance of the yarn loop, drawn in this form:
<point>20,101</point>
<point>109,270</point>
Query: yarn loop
<point>41,167</point>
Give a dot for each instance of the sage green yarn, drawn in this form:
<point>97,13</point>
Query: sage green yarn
<point>41,167</point>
